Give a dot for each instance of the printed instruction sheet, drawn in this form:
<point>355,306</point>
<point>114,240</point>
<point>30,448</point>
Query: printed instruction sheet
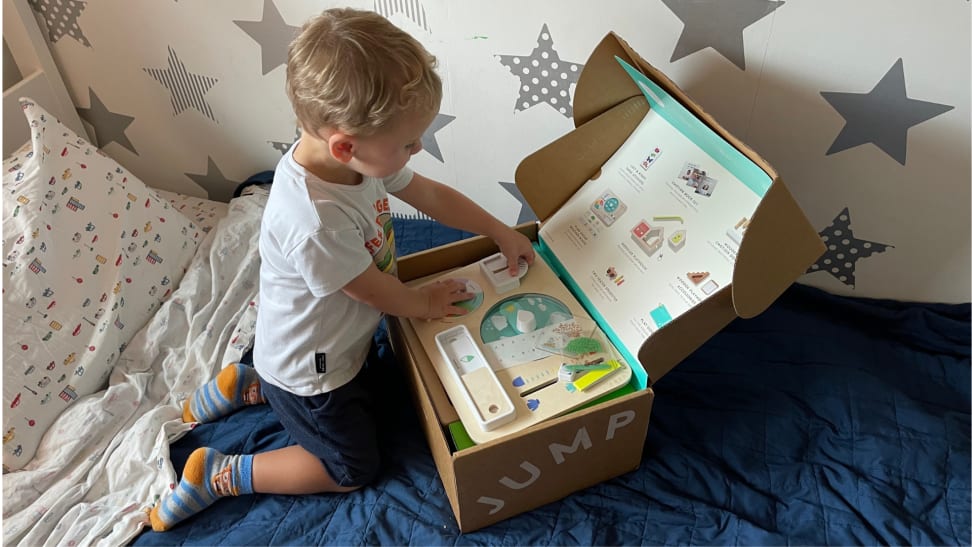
<point>655,233</point>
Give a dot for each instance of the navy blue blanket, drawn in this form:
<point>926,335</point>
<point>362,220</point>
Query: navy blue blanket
<point>825,420</point>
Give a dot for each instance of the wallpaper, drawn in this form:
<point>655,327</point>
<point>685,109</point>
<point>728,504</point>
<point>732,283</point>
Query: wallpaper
<point>863,107</point>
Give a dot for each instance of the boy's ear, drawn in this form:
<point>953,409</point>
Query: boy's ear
<point>341,147</point>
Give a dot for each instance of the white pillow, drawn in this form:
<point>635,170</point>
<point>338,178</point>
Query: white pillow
<point>89,253</point>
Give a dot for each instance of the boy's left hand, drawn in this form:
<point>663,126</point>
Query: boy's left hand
<point>515,245</point>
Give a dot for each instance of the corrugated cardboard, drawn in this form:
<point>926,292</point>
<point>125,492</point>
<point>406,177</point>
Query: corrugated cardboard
<point>496,480</point>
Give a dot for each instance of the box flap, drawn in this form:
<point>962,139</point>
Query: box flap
<point>601,86</point>
<point>671,344</point>
<point>778,231</point>
<point>778,228</point>
<point>548,177</point>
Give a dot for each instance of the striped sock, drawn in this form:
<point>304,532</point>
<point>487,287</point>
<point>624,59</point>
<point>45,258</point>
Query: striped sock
<point>235,386</point>
<point>208,476</point>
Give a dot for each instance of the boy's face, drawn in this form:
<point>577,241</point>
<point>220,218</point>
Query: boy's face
<point>386,152</point>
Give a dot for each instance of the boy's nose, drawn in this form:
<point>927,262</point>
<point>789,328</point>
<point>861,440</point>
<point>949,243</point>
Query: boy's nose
<point>416,148</point>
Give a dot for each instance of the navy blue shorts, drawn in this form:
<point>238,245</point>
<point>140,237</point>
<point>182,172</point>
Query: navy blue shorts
<point>338,427</point>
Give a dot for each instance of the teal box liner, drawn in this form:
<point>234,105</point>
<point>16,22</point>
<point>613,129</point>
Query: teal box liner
<point>639,376</point>
<point>674,113</point>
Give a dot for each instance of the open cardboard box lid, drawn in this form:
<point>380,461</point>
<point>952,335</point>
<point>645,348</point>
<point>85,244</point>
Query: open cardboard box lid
<point>779,244</point>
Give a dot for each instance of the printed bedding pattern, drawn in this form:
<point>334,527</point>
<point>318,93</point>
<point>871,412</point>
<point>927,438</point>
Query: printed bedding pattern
<point>89,254</point>
<point>106,457</point>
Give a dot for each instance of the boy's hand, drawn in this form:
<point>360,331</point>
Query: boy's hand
<point>442,296</point>
<point>515,245</point>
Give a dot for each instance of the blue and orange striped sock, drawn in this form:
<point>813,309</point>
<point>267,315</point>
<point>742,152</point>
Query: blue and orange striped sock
<point>235,386</point>
<point>208,475</point>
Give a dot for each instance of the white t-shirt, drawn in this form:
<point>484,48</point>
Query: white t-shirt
<point>315,237</point>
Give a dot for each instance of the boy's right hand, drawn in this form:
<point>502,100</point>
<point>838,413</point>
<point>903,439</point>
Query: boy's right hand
<point>441,297</point>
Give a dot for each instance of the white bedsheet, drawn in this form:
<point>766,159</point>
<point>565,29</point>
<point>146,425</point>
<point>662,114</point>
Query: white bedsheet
<point>106,459</point>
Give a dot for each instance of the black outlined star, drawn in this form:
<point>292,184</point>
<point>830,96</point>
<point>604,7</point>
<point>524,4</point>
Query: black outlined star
<point>526,213</point>
<point>544,78</point>
<point>108,126</point>
<point>718,24</point>
<point>188,89</point>
<point>61,17</point>
<point>273,34</point>
<point>882,116</point>
<point>844,250</point>
<point>218,186</point>
<point>429,144</point>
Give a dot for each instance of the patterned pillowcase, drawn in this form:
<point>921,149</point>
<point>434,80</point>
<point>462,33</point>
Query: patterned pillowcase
<point>89,254</point>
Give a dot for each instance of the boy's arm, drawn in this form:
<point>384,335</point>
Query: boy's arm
<point>387,294</point>
<point>450,207</point>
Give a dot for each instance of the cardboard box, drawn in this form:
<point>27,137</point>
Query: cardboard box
<point>507,476</point>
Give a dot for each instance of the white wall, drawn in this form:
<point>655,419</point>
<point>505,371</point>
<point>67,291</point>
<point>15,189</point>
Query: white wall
<point>783,76</point>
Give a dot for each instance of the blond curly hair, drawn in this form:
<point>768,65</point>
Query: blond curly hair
<point>355,71</point>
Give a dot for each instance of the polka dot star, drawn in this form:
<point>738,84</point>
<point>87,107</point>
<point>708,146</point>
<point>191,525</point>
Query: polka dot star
<point>61,17</point>
<point>844,250</point>
<point>283,147</point>
<point>544,78</point>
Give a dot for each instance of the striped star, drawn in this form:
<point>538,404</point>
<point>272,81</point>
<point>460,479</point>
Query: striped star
<point>188,89</point>
<point>409,8</point>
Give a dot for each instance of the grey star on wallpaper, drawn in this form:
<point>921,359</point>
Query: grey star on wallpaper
<point>283,147</point>
<point>273,34</point>
<point>108,126</point>
<point>882,116</point>
<point>188,89</point>
<point>429,144</point>
<point>544,78</point>
<point>61,17</point>
<point>844,250</point>
<point>526,213</point>
<point>219,187</point>
<point>410,8</point>
<point>718,24</point>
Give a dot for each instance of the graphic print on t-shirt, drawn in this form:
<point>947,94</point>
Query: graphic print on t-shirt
<point>382,246</point>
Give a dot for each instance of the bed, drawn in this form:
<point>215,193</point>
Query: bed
<point>825,420</point>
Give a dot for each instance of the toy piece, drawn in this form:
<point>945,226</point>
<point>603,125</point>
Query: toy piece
<point>495,269</point>
<point>526,321</point>
<point>594,377</point>
<point>479,385</point>
<point>571,372</point>
<point>582,346</point>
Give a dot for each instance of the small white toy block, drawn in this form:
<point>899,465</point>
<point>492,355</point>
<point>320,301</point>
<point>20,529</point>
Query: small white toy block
<point>495,269</point>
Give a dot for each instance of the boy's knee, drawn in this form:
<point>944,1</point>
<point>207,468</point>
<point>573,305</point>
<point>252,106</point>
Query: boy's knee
<point>361,472</point>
